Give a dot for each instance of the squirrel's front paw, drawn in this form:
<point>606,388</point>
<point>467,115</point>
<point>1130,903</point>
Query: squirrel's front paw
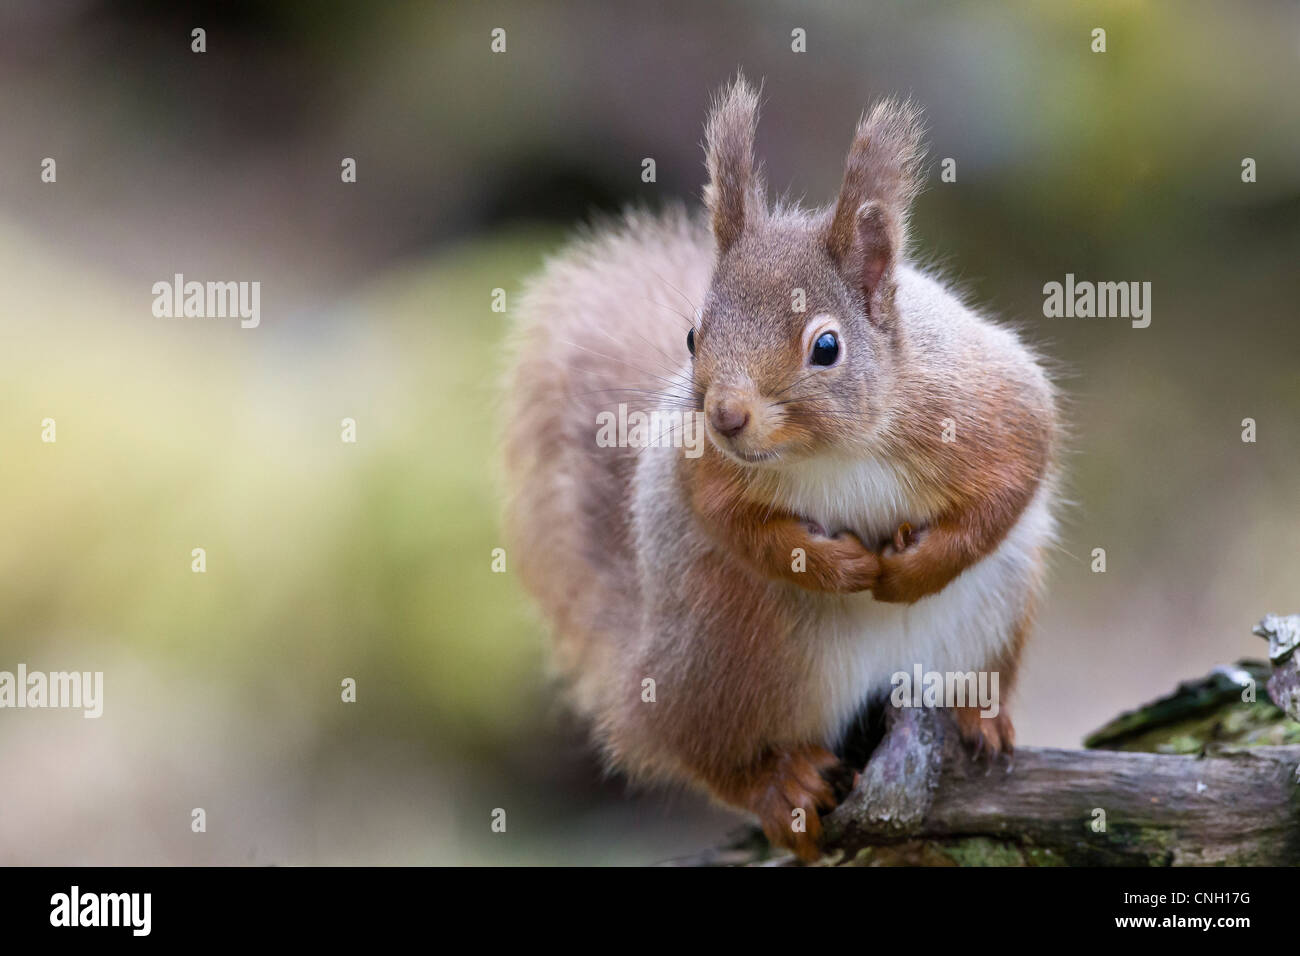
<point>909,570</point>
<point>850,565</point>
<point>791,792</point>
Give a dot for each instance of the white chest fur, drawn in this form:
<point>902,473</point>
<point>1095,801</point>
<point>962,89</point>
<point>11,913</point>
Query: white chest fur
<point>868,496</point>
<point>858,643</point>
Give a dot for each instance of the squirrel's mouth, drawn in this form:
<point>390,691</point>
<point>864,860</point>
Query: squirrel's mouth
<point>747,457</point>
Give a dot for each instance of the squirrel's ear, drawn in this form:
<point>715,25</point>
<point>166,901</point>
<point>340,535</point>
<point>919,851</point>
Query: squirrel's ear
<point>868,232</point>
<point>734,191</point>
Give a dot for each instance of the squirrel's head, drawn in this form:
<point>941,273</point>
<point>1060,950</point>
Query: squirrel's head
<point>792,349</point>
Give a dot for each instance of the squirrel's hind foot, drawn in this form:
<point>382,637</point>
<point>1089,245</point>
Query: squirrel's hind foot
<point>790,790</point>
<point>987,737</point>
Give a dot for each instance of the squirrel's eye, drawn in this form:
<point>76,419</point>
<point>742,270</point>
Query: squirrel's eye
<point>690,342</point>
<point>826,349</point>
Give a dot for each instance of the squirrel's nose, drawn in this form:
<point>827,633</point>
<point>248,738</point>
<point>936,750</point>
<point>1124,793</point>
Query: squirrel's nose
<point>728,418</point>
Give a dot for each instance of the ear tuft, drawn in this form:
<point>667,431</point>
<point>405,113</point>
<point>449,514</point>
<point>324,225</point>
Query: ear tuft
<point>881,178</point>
<point>734,191</point>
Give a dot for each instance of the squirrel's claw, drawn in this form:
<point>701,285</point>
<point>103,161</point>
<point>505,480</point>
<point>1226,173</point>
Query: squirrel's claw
<point>989,738</point>
<point>804,780</point>
<point>905,536</point>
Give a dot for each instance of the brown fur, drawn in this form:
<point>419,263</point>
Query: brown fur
<point>767,539</point>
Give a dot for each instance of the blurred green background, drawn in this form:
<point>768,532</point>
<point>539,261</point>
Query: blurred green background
<point>372,560</point>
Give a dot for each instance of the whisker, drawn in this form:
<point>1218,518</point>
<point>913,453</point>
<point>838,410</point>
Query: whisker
<point>695,310</point>
<point>665,439</point>
<point>682,315</point>
<point>797,381</point>
<point>673,366</point>
<point>614,358</point>
<point>671,369</point>
<point>639,391</point>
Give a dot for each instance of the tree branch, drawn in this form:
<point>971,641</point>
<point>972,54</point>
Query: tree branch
<point>923,801</point>
<point>1239,806</point>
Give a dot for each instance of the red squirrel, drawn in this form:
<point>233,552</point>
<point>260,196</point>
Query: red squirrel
<point>876,491</point>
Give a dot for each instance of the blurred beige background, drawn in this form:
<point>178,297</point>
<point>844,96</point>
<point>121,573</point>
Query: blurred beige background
<point>371,560</point>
